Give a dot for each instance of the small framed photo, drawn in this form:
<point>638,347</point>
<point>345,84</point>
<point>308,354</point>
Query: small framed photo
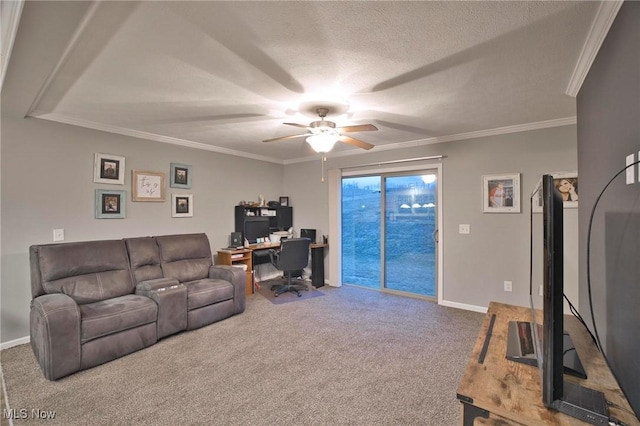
<point>147,186</point>
<point>180,176</point>
<point>108,168</point>
<point>501,193</point>
<point>567,184</point>
<point>284,201</point>
<point>181,205</point>
<point>111,204</point>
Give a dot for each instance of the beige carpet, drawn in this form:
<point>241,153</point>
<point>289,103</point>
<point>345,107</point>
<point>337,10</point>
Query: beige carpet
<point>351,357</point>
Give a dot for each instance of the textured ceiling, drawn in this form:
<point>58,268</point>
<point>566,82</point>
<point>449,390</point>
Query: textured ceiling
<point>225,75</point>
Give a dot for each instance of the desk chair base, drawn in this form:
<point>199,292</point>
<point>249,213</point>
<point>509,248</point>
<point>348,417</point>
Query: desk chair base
<point>278,289</point>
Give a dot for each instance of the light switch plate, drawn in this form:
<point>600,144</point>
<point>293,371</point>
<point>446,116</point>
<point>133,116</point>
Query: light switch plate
<point>630,171</point>
<point>58,235</point>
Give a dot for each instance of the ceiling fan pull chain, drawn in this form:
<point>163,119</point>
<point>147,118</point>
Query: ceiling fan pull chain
<point>324,158</point>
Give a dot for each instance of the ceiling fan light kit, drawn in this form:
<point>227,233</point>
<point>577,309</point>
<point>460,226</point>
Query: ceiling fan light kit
<point>322,142</point>
<point>323,134</point>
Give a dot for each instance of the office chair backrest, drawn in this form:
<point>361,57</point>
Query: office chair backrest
<point>294,254</point>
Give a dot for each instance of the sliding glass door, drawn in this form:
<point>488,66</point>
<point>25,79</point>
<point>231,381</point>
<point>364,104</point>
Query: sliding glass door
<point>389,232</point>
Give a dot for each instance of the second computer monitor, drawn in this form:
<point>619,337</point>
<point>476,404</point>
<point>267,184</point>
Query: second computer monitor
<point>308,233</point>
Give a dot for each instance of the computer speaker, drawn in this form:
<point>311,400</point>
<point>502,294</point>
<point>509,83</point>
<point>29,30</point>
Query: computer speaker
<point>235,239</point>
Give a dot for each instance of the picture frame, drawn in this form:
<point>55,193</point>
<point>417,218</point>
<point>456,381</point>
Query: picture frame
<point>147,186</point>
<point>180,176</point>
<point>567,184</point>
<point>110,204</point>
<point>284,201</point>
<point>181,205</point>
<point>108,168</point>
<point>501,193</point>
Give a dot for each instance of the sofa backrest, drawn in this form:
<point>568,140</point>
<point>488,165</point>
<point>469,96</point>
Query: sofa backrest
<point>144,257</point>
<point>185,257</point>
<point>87,271</point>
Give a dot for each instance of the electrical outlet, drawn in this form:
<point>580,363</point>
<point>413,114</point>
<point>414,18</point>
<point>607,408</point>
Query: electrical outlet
<point>464,228</point>
<point>58,235</point>
<point>508,286</point>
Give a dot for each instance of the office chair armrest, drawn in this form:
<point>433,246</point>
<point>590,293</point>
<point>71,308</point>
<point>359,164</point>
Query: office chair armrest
<point>274,255</point>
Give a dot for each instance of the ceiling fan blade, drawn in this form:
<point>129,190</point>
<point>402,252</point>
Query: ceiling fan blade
<point>358,128</point>
<point>355,142</point>
<point>302,126</point>
<point>286,137</point>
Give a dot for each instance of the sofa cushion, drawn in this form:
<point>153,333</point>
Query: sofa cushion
<point>187,270</point>
<point>115,315</point>
<point>144,256</point>
<point>183,246</point>
<point>185,257</point>
<point>86,271</point>
<point>207,292</point>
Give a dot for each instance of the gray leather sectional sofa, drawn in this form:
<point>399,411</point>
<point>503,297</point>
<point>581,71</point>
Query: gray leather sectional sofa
<point>95,301</point>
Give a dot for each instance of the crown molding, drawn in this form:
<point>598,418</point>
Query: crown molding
<point>58,118</point>
<point>567,121</point>
<point>206,147</point>
<point>11,11</point>
<point>63,58</point>
<point>605,16</point>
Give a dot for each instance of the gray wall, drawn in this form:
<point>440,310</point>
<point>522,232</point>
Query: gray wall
<point>47,171</point>
<point>47,183</point>
<point>609,130</point>
<point>497,249</point>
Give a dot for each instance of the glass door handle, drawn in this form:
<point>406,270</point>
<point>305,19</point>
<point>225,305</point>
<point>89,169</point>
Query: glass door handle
<point>434,235</point>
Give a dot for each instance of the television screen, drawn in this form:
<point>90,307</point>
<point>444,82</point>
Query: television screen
<point>256,227</point>
<point>575,400</point>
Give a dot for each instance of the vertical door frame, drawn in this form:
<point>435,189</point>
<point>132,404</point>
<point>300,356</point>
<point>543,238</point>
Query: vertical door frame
<point>335,218</point>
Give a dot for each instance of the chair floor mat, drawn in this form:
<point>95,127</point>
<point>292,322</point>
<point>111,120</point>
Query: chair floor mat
<point>266,292</point>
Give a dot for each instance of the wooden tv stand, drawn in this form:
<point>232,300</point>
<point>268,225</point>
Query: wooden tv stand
<point>495,390</point>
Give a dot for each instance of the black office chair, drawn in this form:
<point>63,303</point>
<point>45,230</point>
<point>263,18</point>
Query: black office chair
<point>291,259</point>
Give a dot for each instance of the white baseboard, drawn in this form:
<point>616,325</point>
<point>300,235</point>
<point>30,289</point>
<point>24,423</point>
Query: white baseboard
<point>464,306</point>
<point>12,343</point>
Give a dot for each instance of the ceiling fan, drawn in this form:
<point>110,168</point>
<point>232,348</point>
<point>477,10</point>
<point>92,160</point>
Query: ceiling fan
<point>323,134</point>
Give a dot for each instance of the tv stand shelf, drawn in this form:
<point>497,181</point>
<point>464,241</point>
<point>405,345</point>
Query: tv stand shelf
<point>500,391</point>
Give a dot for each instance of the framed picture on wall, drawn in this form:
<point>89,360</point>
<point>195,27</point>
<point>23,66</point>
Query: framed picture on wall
<point>567,184</point>
<point>147,186</point>
<point>181,205</point>
<point>501,193</point>
<point>180,176</point>
<point>108,168</point>
<point>284,201</point>
<point>110,204</point>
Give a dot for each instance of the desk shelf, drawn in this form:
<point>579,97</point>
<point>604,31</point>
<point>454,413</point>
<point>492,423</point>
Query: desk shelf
<point>238,257</point>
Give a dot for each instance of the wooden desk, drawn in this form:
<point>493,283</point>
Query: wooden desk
<point>499,391</point>
<point>244,256</point>
<point>238,257</point>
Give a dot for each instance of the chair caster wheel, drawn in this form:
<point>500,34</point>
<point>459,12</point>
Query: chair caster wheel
<point>299,295</point>
<point>273,287</point>
<point>276,295</point>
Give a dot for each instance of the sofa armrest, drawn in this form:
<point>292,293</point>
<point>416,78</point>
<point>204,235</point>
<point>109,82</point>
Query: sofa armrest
<point>238,278</point>
<point>145,287</point>
<point>54,322</point>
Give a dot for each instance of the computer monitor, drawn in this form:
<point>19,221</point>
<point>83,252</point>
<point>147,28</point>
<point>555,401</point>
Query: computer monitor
<point>308,233</point>
<point>256,227</point>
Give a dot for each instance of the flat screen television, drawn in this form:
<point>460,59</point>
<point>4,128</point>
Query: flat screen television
<point>570,398</point>
<point>256,227</point>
